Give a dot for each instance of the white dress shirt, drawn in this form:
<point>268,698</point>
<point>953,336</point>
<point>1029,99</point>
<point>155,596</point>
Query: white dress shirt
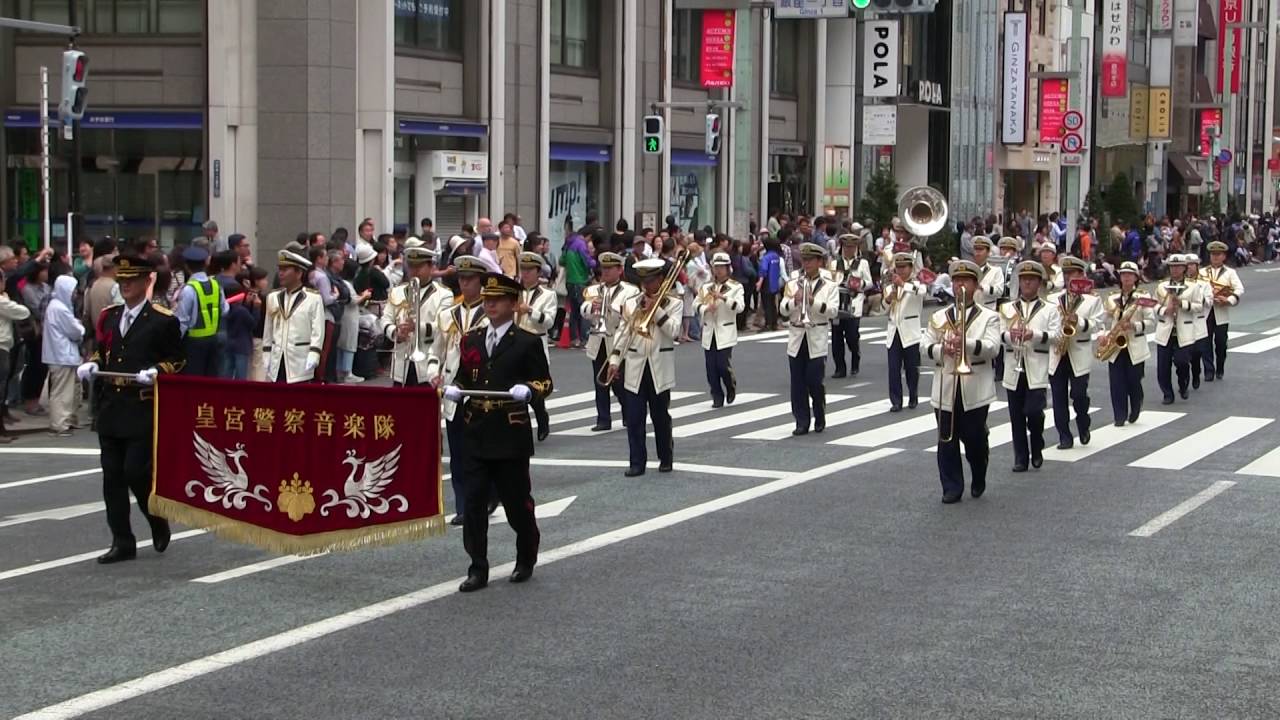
<point>127,317</point>
<point>495,335</point>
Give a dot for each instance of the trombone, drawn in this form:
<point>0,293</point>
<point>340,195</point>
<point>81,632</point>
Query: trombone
<point>955,326</point>
<point>640,322</point>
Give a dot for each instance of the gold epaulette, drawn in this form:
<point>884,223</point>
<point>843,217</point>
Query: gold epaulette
<point>162,309</point>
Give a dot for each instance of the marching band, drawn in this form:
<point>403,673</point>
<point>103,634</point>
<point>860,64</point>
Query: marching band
<point>809,302</point>
<point>718,305</point>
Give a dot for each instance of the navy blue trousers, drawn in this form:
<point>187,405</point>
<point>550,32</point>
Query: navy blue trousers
<point>657,405</point>
<point>719,370</point>
<point>604,414</point>
<point>971,429</point>
<point>1026,416</point>
<point>1126,386</point>
<point>903,359</point>
<point>806,386</point>
<point>1214,352</point>
<point>846,333</point>
<point>1076,389</point>
<point>1168,357</point>
<point>457,463</point>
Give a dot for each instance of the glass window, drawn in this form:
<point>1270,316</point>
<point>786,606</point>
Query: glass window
<point>429,24</point>
<point>686,47</point>
<point>786,51</point>
<point>123,17</point>
<point>180,16</point>
<point>574,36</point>
<point>1138,31</point>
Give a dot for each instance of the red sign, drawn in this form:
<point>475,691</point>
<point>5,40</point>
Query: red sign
<point>298,468</point>
<point>1208,119</point>
<point>717,48</point>
<point>1053,105</point>
<point>1273,164</point>
<point>1229,11</point>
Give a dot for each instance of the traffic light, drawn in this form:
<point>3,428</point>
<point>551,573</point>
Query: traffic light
<point>711,142</point>
<point>75,70</point>
<point>893,6</point>
<point>653,134</point>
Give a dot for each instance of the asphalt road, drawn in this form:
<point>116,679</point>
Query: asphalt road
<point>769,576</point>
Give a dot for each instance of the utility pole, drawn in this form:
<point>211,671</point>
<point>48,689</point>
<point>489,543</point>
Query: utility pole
<point>1228,111</point>
<point>73,167</point>
<point>1079,103</point>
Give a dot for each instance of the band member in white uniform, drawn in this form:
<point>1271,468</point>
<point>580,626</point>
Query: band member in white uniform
<point>1175,328</point>
<point>718,304</point>
<point>602,307</point>
<point>1201,344</point>
<point>809,301</point>
<point>1069,372</point>
<point>1227,290</point>
<point>961,401</point>
<point>293,329</point>
<point>991,287</point>
<point>1053,272</point>
<point>396,321</point>
<point>1127,365</point>
<point>647,365</point>
<point>903,299</point>
<point>536,313</point>
<point>852,275</point>
<point>1030,328</point>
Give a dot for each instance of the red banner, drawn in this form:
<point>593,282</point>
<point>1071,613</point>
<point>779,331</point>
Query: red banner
<point>717,48</point>
<point>1229,11</point>
<point>298,468</point>
<point>1053,105</point>
<point>1208,119</point>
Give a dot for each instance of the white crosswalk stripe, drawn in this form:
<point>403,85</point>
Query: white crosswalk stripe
<point>840,417</point>
<point>1257,346</point>
<point>683,411</point>
<point>1198,445</point>
<point>590,412</point>
<point>1149,420</point>
<point>1003,434</point>
<point>720,423</point>
<point>896,432</point>
<point>1266,466</point>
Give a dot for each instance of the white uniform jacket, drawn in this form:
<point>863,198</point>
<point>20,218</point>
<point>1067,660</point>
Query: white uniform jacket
<point>1202,313</point>
<point>824,301</point>
<point>1054,283</point>
<point>904,315</point>
<point>1039,317</point>
<point>1088,314</point>
<point>1143,321</point>
<point>982,343</point>
<point>841,270</point>
<point>541,316</point>
<point>1224,275</point>
<point>657,352</point>
<point>446,349</point>
<point>991,287</point>
<point>432,299</point>
<point>292,333</point>
<point>1188,303</point>
<point>721,320</point>
<point>611,308</point>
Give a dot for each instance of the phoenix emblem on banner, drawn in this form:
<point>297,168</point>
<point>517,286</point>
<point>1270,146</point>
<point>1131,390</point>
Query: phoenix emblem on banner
<point>228,487</point>
<point>363,495</point>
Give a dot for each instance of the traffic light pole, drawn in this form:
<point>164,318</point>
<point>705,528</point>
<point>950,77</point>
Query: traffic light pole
<point>73,167</point>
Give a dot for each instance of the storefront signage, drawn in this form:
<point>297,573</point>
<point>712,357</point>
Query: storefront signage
<point>1053,107</point>
<point>1115,48</point>
<point>113,120</point>
<point>1013,101</point>
<point>449,165</point>
<point>1229,11</point>
<point>1184,23</point>
<point>217,178</point>
<point>1161,111</point>
<point>1138,118</point>
<point>929,93</point>
<point>781,147</point>
<point>880,66</point>
<point>1072,159</point>
<point>1162,15</point>
<point>1208,119</point>
<point>879,124</point>
<point>810,9</point>
<point>717,48</point>
<point>835,190</point>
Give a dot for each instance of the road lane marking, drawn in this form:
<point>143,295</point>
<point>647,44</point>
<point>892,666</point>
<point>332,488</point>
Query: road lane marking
<point>1150,420</point>
<point>1198,445</point>
<point>1258,346</point>
<point>584,413</point>
<point>59,513</point>
<point>683,411</point>
<point>73,559</point>
<point>1267,466</point>
<point>1165,519</point>
<point>717,424</point>
<point>193,669</point>
<point>257,567</point>
<point>756,337</point>
<point>840,417</point>
<point>49,451</point>
<point>694,468</point>
<point>896,432</point>
<point>558,401</point>
<point>49,478</point>
<point>1003,434</point>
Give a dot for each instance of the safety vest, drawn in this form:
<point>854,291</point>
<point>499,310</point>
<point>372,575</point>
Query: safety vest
<point>208,307</point>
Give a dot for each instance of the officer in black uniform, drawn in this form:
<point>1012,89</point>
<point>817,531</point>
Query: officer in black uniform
<point>499,357</point>
<point>145,340</point>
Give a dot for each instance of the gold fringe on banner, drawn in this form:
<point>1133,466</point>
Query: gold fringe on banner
<point>286,544</point>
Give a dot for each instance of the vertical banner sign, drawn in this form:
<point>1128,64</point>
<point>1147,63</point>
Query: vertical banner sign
<point>1162,15</point>
<point>1053,105</point>
<point>717,48</point>
<point>1138,120</point>
<point>1229,11</point>
<point>1208,119</point>
<point>1115,48</point>
<point>1184,23</point>
<point>1161,111</point>
<point>1013,100</point>
<point>835,190</point>
<point>880,65</point>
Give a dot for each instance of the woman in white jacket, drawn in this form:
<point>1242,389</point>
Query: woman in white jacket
<point>10,312</point>
<point>63,334</point>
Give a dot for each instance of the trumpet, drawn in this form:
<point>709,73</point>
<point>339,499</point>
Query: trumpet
<point>594,294</point>
<point>1020,349</point>
<point>640,322</point>
<point>1172,292</point>
<point>409,313</point>
<point>955,328</point>
<point>710,293</point>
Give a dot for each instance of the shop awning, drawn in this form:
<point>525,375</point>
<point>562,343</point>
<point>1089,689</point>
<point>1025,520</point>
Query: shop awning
<point>464,187</point>
<point>130,120</point>
<point>407,126</point>
<point>574,152</point>
<point>693,157</point>
<point>1182,166</point>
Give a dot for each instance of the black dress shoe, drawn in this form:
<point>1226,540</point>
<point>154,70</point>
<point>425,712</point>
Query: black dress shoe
<point>950,499</point>
<point>853,372</point>
<point>1183,393</point>
<point>1168,400</point>
<point>664,467</point>
<point>493,505</point>
<point>837,375</point>
<point>456,521</point>
<point>543,432</point>
<point>473,583</point>
<point>730,394</point>
<point>1084,436</point>
<point>1120,423</point>
<point>601,427</point>
<point>1195,383</point>
<point>800,431</point>
<point>1020,467</point>
<point>521,574</point>
<point>976,490</point>
<point>1133,416</point>
<point>912,405</point>
<point>1065,444</point>
<point>1037,459</point>
<point>819,425</point>
<point>895,408</point>
<point>1208,377</point>
<point>118,553</point>
<point>160,535</point>
<point>717,404</point>
<point>633,472</point>
<point>1218,374</point>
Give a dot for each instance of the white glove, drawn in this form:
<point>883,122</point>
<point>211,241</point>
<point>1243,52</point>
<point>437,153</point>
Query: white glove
<point>146,377</point>
<point>521,393</point>
<point>87,371</point>
<point>452,393</point>
<point>313,362</point>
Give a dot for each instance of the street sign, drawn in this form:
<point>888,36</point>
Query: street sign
<point>1072,142</point>
<point>810,9</point>
<point>1072,120</point>
<point>1224,157</point>
<point>1273,164</point>
<point>1072,159</point>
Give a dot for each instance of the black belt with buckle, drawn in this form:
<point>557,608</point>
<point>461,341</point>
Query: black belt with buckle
<point>488,405</point>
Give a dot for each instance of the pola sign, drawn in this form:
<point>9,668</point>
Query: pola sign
<point>880,66</point>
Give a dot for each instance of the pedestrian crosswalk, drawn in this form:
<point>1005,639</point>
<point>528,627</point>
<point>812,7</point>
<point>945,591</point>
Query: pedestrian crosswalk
<point>1161,439</point>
